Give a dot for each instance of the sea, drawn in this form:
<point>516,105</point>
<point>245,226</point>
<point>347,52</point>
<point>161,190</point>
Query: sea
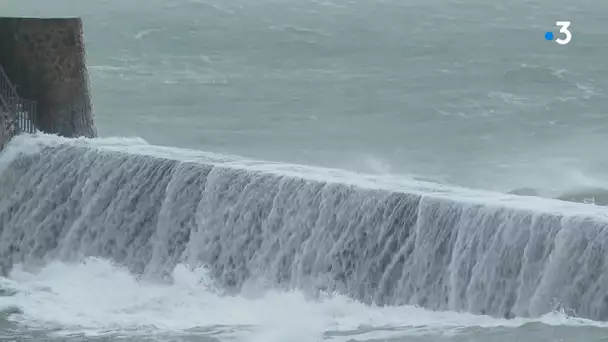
<point>317,170</point>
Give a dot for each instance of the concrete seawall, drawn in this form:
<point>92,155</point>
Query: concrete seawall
<point>45,60</point>
<point>371,238</point>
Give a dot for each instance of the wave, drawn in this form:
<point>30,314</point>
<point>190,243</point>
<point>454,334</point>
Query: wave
<point>381,241</point>
<point>81,298</point>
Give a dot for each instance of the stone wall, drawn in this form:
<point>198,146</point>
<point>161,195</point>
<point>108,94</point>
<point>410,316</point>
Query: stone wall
<point>45,59</point>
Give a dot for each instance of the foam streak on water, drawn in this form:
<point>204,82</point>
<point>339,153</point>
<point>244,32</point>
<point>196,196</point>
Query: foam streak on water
<point>68,200</point>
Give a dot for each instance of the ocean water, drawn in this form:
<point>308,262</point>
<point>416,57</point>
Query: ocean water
<point>285,170</point>
<point>460,92</point>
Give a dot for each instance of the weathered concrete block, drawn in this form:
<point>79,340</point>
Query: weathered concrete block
<point>45,59</point>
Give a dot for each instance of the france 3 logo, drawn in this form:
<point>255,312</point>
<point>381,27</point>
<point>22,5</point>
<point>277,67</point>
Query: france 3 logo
<point>564,29</point>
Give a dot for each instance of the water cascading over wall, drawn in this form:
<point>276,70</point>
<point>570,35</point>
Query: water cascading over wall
<point>45,59</point>
<point>70,200</point>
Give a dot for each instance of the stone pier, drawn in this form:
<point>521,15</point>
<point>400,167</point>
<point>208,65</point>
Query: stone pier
<point>45,60</point>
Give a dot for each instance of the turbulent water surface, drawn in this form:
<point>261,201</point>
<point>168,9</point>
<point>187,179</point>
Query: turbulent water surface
<point>116,239</point>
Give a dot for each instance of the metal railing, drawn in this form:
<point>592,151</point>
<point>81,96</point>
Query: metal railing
<point>8,94</point>
<point>25,114</point>
<point>21,111</point>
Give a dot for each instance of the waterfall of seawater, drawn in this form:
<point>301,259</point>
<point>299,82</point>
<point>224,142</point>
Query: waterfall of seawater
<point>69,199</point>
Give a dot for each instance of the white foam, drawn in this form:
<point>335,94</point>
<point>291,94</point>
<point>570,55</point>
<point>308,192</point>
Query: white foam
<point>33,143</point>
<point>97,298</point>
